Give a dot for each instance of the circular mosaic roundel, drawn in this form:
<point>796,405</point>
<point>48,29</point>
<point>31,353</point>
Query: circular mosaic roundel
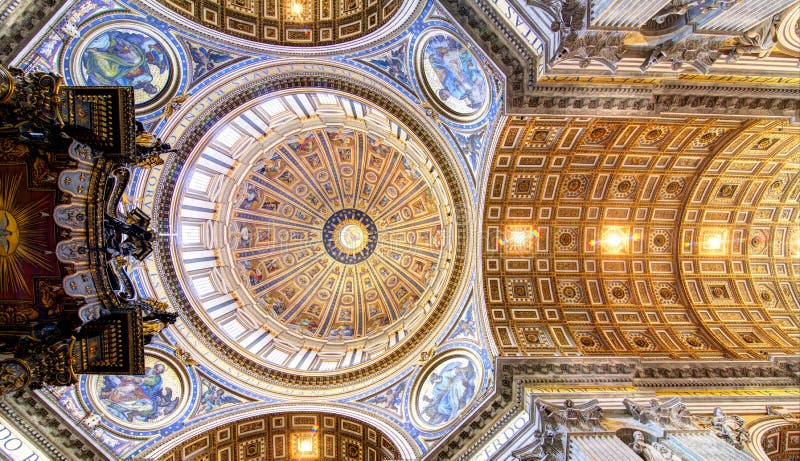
<point>452,76</point>
<point>446,389</point>
<point>350,236</point>
<point>131,55</point>
<point>141,402</point>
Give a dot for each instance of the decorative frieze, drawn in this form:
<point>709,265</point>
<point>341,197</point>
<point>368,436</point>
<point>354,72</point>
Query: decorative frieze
<point>666,97</point>
<point>516,375</point>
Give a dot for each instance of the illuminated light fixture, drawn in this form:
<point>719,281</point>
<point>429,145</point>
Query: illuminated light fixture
<point>713,241</point>
<point>518,238</point>
<point>305,445</point>
<point>794,247</point>
<point>298,11</point>
<point>614,240</point>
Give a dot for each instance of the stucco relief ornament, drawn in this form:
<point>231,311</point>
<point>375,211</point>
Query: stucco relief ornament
<point>698,52</point>
<point>554,422</point>
<point>760,40</point>
<point>570,21</point>
<point>605,48</point>
<point>693,7</point>
<point>672,412</point>
<point>731,428</point>
<point>585,416</point>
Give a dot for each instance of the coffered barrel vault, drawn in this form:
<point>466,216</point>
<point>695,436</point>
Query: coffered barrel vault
<point>597,237</point>
<point>289,436</point>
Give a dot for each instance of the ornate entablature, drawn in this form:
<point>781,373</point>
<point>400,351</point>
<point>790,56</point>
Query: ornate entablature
<point>584,40</point>
<point>597,406</point>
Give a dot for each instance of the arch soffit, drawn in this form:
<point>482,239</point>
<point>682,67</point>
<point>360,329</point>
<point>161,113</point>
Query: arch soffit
<point>405,445</point>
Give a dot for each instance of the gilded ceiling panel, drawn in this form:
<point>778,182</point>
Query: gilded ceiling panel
<point>289,436</point>
<point>582,234</point>
<point>291,22</point>
<point>739,253</point>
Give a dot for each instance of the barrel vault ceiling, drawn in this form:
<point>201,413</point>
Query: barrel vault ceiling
<point>652,237</point>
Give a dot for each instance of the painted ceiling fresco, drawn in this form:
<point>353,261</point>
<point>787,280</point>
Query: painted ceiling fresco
<point>332,241</point>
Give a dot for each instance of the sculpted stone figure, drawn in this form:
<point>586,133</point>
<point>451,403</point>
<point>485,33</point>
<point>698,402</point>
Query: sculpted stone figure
<point>645,450</point>
<point>694,7</point>
<point>668,454</point>
<point>760,40</point>
<point>730,428</point>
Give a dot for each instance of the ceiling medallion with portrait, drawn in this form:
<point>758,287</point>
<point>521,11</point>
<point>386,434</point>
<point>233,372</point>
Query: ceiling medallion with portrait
<point>313,248</point>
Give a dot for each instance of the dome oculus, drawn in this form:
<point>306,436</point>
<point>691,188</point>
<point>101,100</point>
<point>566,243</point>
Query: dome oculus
<point>350,236</point>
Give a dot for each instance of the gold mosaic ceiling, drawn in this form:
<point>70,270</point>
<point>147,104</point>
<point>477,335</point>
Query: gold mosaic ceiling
<point>663,238</point>
<point>289,22</point>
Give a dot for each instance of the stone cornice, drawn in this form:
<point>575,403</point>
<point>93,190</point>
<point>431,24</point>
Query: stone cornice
<point>25,20</point>
<point>664,98</point>
<point>43,426</point>
<point>501,44</point>
<point>514,374</point>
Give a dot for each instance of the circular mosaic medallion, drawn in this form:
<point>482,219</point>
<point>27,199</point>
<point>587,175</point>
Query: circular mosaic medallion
<point>128,54</point>
<point>446,388</point>
<point>452,76</point>
<point>141,402</point>
<point>350,236</point>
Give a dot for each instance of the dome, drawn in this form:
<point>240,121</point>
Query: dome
<point>313,231</point>
<point>295,23</point>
